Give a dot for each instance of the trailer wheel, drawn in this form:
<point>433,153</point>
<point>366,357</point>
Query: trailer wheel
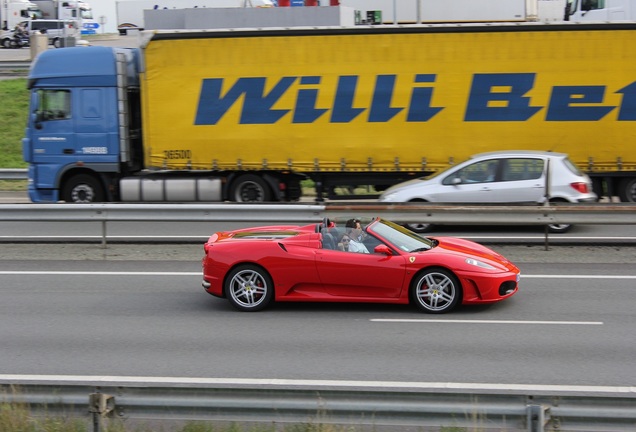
<point>82,188</point>
<point>250,188</point>
<point>627,192</point>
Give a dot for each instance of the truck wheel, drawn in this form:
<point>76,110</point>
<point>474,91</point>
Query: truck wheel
<point>627,192</point>
<point>250,188</point>
<point>82,188</point>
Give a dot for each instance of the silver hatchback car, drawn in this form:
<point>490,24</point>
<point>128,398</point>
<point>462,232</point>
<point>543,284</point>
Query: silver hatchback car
<point>499,177</point>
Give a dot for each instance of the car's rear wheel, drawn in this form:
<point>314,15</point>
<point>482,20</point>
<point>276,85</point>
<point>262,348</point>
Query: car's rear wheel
<point>436,291</point>
<point>249,288</point>
<point>559,228</point>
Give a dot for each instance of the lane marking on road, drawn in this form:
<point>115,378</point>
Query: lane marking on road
<point>413,320</point>
<point>100,273</point>
<point>106,380</point>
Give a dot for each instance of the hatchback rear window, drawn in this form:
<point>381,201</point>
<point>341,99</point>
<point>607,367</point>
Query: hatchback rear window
<point>568,163</point>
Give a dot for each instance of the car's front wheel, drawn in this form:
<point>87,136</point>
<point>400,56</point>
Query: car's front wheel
<point>436,291</point>
<point>418,227</point>
<point>249,288</point>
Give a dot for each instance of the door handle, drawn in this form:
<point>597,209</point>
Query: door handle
<point>68,151</point>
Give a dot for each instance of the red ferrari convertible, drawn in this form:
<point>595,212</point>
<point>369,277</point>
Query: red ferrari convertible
<point>316,263</point>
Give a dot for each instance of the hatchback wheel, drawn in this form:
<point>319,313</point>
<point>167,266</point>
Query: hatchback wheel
<point>419,227</point>
<point>559,228</point>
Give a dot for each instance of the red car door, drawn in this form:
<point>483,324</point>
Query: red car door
<point>352,274</point>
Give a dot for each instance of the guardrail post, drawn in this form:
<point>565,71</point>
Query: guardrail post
<point>538,417</point>
<point>100,405</point>
<point>104,245</point>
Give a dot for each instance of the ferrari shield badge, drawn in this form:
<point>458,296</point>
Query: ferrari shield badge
<point>412,259</point>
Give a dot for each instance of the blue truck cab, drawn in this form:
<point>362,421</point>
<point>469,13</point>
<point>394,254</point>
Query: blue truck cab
<point>84,127</point>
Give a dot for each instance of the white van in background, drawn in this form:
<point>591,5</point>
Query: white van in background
<point>59,32</point>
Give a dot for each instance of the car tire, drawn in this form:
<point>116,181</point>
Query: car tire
<point>559,228</point>
<point>82,189</point>
<point>419,228</point>
<point>250,188</point>
<point>56,43</point>
<point>249,288</point>
<point>6,43</point>
<point>436,291</point>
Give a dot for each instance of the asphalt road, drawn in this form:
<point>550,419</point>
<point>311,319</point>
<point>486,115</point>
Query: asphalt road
<point>140,310</point>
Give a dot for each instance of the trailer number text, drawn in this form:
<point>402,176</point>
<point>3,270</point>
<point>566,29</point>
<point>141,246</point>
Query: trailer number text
<point>177,154</point>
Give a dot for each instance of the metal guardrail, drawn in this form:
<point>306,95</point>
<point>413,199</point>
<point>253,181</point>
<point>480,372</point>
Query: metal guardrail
<point>13,174</point>
<point>378,405</point>
<point>15,65</point>
<point>612,214</point>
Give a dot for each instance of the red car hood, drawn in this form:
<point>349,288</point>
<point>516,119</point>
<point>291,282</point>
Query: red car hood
<point>472,249</point>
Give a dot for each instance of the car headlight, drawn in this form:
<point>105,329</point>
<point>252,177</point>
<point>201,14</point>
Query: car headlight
<point>479,264</point>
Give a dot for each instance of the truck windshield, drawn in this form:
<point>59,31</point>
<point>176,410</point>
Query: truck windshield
<point>571,7</point>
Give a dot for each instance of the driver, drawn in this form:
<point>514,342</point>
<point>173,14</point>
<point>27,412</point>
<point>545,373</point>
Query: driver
<point>354,231</point>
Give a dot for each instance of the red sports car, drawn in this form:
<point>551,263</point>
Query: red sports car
<point>314,263</point>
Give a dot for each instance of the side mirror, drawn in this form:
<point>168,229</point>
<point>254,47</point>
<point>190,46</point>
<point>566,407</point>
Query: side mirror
<point>456,181</point>
<point>382,249</point>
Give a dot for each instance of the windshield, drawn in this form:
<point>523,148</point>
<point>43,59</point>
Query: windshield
<point>400,237</point>
<point>571,6</point>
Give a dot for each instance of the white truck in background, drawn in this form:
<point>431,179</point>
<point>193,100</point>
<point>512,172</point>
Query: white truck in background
<point>458,11</point>
<point>13,12</point>
<point>601,10</point>
<point>73,10</point>
<point>130,13</point>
